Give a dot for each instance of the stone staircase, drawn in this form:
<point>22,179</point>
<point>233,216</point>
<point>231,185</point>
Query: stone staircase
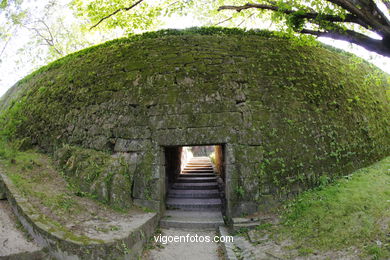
<point>194,200</point>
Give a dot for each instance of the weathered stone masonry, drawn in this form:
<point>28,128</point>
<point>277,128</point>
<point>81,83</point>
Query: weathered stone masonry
<point>281,111</point>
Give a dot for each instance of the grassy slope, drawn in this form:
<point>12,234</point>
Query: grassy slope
<point>55,201</point>
<point>353,211</point>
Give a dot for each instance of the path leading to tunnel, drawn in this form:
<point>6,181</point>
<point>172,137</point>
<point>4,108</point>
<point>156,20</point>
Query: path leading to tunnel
<point>194,214</point>
<point>186,250</point>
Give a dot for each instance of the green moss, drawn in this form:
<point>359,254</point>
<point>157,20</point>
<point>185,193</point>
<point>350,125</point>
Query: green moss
<point>83,164</point>
<point>91,173</point>
<point>153,35</point>
<point>294,111</point>
<point>66,233</point>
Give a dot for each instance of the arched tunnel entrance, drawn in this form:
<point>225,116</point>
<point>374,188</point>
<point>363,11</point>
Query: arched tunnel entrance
<point>194,181</point>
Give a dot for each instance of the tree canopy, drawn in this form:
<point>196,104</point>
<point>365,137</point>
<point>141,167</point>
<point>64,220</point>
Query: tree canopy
<point>58,27</point>
<point>349,20</point>
<point>355,21</point>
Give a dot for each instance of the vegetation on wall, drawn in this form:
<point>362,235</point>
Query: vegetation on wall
<point>97,174</point>
<point>296,114</point>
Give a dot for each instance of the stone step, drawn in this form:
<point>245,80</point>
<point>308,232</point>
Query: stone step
<point>195,186</point>
<point>193,193</point>
<point>184,174</point>
<point>196,179</point>
<point>197,171</point>
<point>199,163</point>
<point>194,204</point>
<point>198,168</point>
<point>200,158</point>
<point>191,219</point>
<point>191,175</point>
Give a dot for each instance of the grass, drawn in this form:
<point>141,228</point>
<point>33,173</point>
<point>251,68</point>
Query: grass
<point>56,203</point>
<point>351,212</point>
<point>31,170</point>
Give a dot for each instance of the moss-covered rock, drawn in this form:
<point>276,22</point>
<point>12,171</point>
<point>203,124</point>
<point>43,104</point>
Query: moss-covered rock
<point>291,114</point>
<point>108,178</point>
<point>120,193</point>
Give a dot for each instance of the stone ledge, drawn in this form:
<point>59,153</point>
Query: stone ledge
<point>248,223</point>
<point>150,204</point>
<point>2,190</point>
<point>46,235</point>
<point>37,255</point>
<point>227,246</point>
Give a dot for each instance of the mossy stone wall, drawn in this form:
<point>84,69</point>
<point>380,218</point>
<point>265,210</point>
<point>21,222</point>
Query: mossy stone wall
<point>290,116</point>
<point>106,178</point>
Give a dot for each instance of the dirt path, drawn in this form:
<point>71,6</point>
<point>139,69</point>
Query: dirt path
<point>185,250</point>
<point>12,239</point>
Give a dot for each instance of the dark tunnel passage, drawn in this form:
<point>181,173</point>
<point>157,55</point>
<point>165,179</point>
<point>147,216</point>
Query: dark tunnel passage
<point>195,177</point>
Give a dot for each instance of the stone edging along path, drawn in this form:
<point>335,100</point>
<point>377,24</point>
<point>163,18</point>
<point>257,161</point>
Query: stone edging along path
<point>53,238</point>
<point>227,246</point>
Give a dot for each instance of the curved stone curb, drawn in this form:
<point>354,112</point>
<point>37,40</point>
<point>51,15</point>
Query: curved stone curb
<point>2,190</point>
<point>51,237</point>
<point>37,255</point>
<point>227,246</point>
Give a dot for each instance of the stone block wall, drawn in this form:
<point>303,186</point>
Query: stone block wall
<point>287,115</point>
<point>219,160</point>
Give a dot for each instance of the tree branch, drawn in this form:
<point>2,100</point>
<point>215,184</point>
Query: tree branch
<point>115,12</point>
<point>228,19</point>
<point>5,46</point>
<point>386,3</point>
<point>50,41</point>
<point>368,12</point>
<point>360,39</point>
<point>243,20</point>
<point>48,30</point>
<point>173,3</point>
<point>308,15</point>
<point>362,12</point>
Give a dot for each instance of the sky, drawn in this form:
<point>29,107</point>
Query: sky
<point>16,66</point>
